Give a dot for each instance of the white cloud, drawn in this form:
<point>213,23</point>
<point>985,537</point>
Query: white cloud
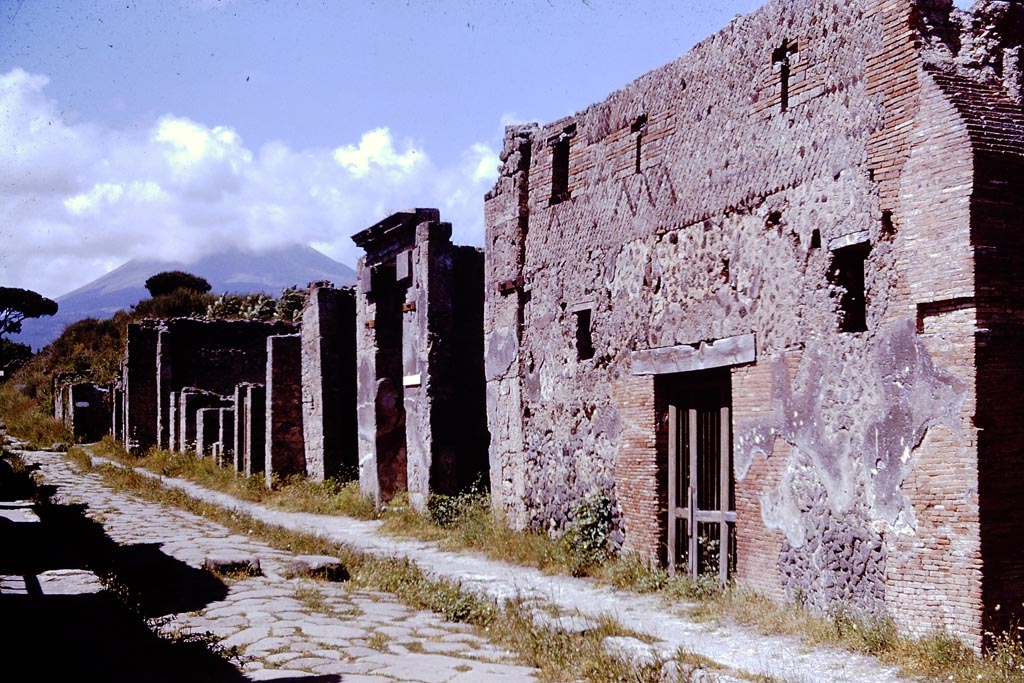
<point>376,151</point>
<point>77,199</point>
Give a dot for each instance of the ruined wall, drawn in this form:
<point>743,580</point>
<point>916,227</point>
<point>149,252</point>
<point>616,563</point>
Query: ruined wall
<point>727,196</point>
<point>212,355</point>
<point>224,453</point>
<point>189,401</point>
<point>422,425</point>
<point>140,386</point>
<point>84,407</point>
<point>255,430</point>
<point>285,450</point>
<point>329,382</point>
<point>207,431</point>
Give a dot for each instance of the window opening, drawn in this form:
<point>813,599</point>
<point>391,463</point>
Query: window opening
<point>816,239</point>
<point>560,164</point>
<point>781,59</point>
<point>584,339</point>
<point>638,129</point>
<point>847,273</point>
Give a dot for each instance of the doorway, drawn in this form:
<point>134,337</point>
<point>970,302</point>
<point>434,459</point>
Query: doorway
<point>701,496</point>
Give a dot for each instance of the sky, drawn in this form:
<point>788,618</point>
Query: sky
<point>174,128</point>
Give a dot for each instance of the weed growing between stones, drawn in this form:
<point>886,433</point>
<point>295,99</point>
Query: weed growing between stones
<point>168,629</point>
<point>378,641</point>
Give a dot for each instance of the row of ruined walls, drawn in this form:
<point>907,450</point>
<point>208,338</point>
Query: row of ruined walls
<point>694,205</point>
<point>265,398</point>
<point>324,398</point>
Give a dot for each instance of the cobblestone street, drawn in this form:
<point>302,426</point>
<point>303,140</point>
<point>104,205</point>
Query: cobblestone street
<point>282,627</point>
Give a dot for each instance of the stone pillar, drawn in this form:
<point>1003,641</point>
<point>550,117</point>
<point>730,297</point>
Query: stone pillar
<point>225,436</point>
<point>166,427</point>
<point>328,382</point>
<point>172,422</point>
<point>255,407</point>
<point>239,431</point>
<point>117,413</point>
<point>421,415</point>
<point>285,450</point>
<point>140,387</point>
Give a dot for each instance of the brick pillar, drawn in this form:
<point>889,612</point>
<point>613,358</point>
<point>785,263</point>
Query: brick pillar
<point>328,382</point>
<point>140,388</point>
<point>285,448</point>
<point>255,406</point>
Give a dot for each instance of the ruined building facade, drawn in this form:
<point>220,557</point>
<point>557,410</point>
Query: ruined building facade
<point>419,350</point>
<point>766,301</point>
<point>768,298</point>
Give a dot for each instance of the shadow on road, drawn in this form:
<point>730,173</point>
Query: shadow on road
<point>96,635</point>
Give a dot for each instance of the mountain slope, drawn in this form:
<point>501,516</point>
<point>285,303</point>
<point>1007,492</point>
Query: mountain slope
<point>237,272</point>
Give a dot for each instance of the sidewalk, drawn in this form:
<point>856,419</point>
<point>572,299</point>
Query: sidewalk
<point>738,649</point>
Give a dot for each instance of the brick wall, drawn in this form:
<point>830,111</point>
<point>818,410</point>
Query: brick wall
<point>285,449</point>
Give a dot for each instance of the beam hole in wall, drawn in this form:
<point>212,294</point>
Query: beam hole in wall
<point>847,275</point>
<point>584,338</point>
<point>888,227</point>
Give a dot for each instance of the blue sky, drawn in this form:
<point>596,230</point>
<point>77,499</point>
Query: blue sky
<point>172,127</point>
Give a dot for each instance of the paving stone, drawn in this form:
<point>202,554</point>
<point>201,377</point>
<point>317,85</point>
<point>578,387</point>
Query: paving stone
<point>69,582</point>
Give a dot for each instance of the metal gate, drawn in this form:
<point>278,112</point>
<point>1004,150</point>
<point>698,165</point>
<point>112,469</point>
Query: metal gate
<point>701,510</point>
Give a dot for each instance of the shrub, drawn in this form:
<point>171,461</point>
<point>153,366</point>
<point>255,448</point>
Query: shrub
<point>585,542</point>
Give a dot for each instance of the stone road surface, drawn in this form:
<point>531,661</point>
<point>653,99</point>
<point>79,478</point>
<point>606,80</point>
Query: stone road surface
<point>264,616</point>
<point>289,627</point>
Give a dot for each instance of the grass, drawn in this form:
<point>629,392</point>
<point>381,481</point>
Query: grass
<point>26,419</point>
<point>294,494</point>
<point>559,656</point>
<point>469,523</point>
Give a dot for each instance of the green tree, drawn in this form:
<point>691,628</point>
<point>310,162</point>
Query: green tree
<point>171,281</point>
<point>18,304</point>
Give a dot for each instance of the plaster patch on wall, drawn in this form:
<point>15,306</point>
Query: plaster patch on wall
<point>841,488</point>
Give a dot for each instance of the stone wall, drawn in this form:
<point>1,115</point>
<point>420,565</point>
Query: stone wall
<point>717,213</point>
<point>224,451</point>
<point>140,386</point>
<point>189,401</point>
<point>84,407</point>
<point>419,338</point>
<point>329,382</point>
<point>285,448</point>
<point>212,355</point>
<point>207,432</point>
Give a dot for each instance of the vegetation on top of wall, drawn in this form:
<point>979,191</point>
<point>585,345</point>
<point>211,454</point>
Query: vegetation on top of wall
<point>287,307</point>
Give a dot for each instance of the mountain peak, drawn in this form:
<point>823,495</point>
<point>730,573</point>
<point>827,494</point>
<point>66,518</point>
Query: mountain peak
<point>233,271</point>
